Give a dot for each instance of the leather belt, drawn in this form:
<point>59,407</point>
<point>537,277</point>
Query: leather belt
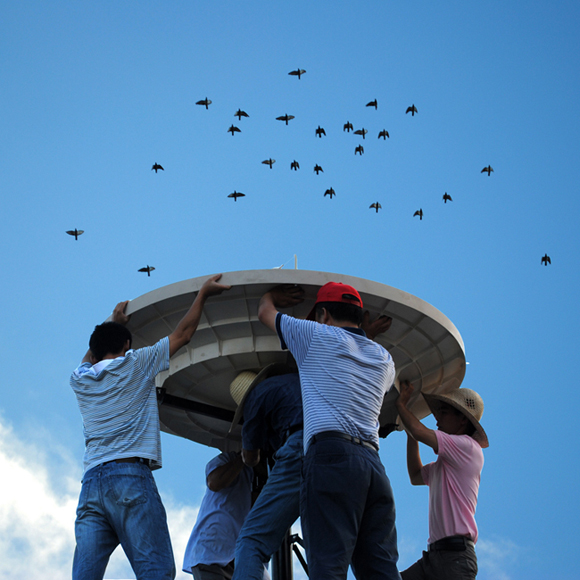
<point>146,462</point>
<point>451,543</point>
<point>346,437</point>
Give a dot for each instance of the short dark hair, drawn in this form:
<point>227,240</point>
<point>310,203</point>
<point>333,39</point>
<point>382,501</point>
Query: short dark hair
<point>109,338</point>
<point>342,311</point>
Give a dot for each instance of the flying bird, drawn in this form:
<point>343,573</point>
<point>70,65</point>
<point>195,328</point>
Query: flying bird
<point>446,197</point>
<point>317,168</point>
<point>546,260</point>
<point>362,132</point>
<point>489,169</point>
<point>76,233</point>
<point>297,73</point>
<point>239,114</point>
<point>373,104</point>
<point>269,162</point>
<point>348,127</point>
<point>148,269</point>
<point>412,109</point>
<point>320,132</point>
<point>206,103</point>
<point>384,134</point>
<point>233,129</point>
<point>285,118</point>
<point>156,166</point>
<point>419,212</point>
<point>359,149</point>
<point>237,194</point>
<point>377,206</point>
<point>330,192</point>
<point>294,165</point>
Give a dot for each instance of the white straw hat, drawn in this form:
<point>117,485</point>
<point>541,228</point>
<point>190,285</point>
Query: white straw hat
<point>469,403</point>
<point>245,381</point>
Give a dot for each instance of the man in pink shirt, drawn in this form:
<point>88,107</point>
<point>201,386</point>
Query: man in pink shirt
<point>453,480</point>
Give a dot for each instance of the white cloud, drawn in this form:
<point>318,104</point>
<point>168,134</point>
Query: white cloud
<point>38,497</point>
<point>496,557</point>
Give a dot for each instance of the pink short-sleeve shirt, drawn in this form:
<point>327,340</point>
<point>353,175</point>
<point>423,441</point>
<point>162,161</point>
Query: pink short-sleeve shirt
<point>453,482</point>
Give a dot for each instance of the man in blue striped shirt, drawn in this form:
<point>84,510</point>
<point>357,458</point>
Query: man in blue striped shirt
<point>347,508</point>
<point>119,502</point>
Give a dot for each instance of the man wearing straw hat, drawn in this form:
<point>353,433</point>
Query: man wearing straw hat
<point>271,405</point>
<point>347,507</point>
<point>453,480</point>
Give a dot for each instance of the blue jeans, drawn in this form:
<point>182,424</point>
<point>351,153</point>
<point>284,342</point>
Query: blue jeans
<point>120,504</point>
<point>347,513</point>
<point>275,510</point>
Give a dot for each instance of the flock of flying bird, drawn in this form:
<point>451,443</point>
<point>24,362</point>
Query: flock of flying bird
<point>319,132</point>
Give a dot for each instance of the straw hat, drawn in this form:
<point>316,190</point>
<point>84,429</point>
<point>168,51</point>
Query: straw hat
<point>241,386</point>
<point>466,401</point>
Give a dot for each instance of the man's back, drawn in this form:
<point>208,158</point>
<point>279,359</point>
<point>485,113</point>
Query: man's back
<point>118,404</point>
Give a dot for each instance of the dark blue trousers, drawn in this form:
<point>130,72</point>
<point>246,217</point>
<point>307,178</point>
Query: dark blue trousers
<point>348,513</point>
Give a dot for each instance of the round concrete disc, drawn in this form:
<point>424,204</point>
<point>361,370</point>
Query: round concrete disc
<point>195,400</point>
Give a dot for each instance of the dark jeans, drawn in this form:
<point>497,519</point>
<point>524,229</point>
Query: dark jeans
<point>444,565</point>
<point>348,513</point>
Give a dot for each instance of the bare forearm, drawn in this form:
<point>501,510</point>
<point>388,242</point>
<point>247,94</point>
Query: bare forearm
<point>414,464</point>
<point>416,428</point>
<point>267,312</point>
<point>251,457</point>
<point>224,475</point>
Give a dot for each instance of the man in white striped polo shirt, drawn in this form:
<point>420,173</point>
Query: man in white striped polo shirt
<point>119,502</point>
<point>347,508</point>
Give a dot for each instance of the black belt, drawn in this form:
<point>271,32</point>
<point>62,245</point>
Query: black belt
<point>147,462</point>
<point>346,437</point>
<point>451,543</point>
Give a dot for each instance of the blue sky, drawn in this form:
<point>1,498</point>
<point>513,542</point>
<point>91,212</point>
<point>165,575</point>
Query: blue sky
<point>92,94</point>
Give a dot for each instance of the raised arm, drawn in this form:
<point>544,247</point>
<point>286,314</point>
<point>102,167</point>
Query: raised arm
<point>411,423</point>
<point>378,326</point>
<point>188,324</point>
<point>283,296</point>
<point>414,464</point>
<point>224,475</point>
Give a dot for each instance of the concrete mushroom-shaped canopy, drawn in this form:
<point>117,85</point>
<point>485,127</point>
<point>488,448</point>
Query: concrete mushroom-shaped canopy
<point>195,402</point>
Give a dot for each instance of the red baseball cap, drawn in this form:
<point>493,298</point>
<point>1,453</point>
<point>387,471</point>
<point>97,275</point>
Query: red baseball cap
<point>336,292</point>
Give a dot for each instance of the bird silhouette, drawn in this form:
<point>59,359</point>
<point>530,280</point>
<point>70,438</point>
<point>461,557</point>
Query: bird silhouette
<point>330,192</point>
<point>148,269</point>
<point>376,206</point>
<point>297,73</point>
<point>233,129</point>
<point>320,132</point>
<point>348,127</point>
<point>285,118</point>
<point>237,194</point>
<point>359,149</point>
<point>446,197</point>
<point>546,260</point>
<point>373,104</point>
<point>156,166</point>
<point>412,109</point>
<point>239,114</point>
<point>384,134</point>
<point>419,212</point>
<point>269,162</point>
<point>294,165</point>
<point>206,103</point>
<point>76,233</point>
<point>362,132</point>
<point>489,169</point>
<point>317,168</point>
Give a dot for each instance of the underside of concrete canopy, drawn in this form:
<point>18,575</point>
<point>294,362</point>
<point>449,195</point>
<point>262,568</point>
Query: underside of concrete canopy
<point>195,402</point>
